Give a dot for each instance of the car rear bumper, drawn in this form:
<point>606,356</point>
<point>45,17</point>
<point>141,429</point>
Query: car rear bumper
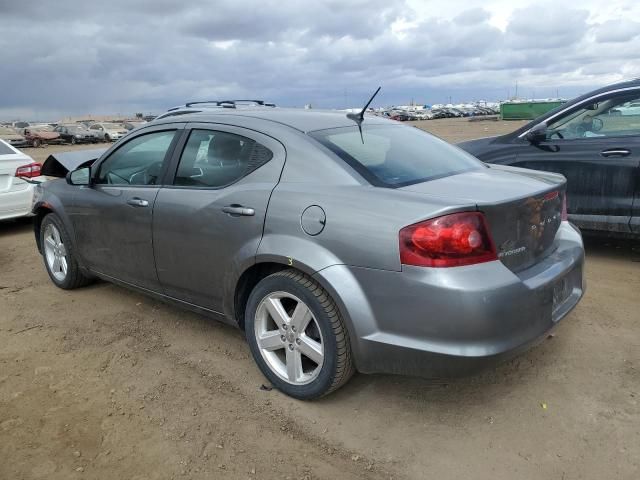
<point>16,204</point>
<point>441,322</point>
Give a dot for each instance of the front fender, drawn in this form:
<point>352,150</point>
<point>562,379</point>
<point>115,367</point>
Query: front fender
<point>46,201</point>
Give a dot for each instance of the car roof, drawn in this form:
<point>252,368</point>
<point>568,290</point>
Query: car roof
<point>304,120</point>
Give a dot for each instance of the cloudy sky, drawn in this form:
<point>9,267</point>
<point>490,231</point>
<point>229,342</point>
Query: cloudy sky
<point>121,56</point>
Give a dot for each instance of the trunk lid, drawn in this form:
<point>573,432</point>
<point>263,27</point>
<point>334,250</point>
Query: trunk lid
<point>523,208</point>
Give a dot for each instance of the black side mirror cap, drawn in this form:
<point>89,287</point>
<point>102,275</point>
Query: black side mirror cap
<point>537,134</point>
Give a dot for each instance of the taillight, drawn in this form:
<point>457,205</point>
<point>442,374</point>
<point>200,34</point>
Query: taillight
<point>448,241</point>
<point>564,216</point>
<point>28,171</point>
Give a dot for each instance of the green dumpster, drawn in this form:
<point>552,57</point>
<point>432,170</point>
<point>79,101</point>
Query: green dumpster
<point>526,110</point>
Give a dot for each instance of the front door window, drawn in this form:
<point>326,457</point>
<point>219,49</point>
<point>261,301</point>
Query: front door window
<point>617,116</point>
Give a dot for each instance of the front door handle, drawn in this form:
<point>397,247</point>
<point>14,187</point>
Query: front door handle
<point>138,202</point>
<point>236,210</point>
<point>616,152</point>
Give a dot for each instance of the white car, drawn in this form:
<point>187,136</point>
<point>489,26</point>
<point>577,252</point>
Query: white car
<point>629,108</point>
<point>16,193</point>
<point>108,132</point>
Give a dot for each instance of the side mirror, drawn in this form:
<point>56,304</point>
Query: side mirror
<point>79,177</point>
<point>537,134</point>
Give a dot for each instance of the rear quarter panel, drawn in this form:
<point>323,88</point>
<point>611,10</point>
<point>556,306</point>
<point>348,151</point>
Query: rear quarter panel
<point>361,228</point>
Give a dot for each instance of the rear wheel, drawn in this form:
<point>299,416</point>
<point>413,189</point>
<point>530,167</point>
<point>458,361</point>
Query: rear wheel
<point>297,336</point>
<point>58,254</point>
<point>36,142</point>
<point>73,140</point>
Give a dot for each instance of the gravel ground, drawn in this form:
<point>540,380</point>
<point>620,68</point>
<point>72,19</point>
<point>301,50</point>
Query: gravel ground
<point>105,383</point>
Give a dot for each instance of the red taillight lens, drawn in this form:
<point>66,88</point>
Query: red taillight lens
<point>564,216</point>
<point>449,241</point>
<point>28,171</point>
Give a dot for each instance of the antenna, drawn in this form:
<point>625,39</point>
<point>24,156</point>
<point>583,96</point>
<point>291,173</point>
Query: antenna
<point>359,117</point>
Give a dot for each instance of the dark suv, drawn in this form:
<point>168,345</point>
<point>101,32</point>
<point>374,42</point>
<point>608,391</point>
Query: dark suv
<point>594,141</point>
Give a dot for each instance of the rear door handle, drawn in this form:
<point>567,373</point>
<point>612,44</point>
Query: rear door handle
<point>138,202</point>
<point>616,152</point>
<point>238,210</point>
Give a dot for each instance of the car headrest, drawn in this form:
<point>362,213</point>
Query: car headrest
<point>224,149</point>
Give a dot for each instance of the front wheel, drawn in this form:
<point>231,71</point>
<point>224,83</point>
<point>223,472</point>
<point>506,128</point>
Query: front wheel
<point>58,254</point>
<point>107,138</point>
<point>297,336</point>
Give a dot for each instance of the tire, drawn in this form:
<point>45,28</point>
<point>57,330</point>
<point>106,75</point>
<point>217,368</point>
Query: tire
<point>290,358</point>
<point>107,138</point>
<point>56,245</point>
<point>36,142</point>
<point>73,140</point>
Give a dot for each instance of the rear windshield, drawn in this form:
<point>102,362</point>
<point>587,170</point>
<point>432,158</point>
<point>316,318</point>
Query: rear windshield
<point>5,150</point>
<point>396,155</point>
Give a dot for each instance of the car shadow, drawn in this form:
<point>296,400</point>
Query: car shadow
<point>604,247</point>
<point>15,226</point>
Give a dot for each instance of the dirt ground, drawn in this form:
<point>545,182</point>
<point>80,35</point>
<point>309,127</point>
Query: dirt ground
<point>102,383</point>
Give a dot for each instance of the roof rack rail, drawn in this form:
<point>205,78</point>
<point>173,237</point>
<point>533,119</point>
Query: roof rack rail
<point>230,103</point>
<point>195,107</point>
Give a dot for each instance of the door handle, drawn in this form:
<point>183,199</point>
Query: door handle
<point>616,152</point>
<point>236,210</point>
<point>138,202</point>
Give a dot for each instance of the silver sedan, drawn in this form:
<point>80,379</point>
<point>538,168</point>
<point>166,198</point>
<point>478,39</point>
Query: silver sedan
<point>337,243</point>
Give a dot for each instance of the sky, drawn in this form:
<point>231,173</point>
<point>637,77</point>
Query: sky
<point>124,56</point>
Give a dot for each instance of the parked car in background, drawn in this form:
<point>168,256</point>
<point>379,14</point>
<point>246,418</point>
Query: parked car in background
<point>38,136</point>
<point>593,145</point>
<point>16,194</point>
<point>12,137</point>
<point>133,124</point>
<point>628,108</point>
<point>109,132</point>
<point>375,247</point>
<point>75,133</point>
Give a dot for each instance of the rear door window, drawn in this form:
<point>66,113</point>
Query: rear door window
<point>396,155</point>
<point>216,159</point>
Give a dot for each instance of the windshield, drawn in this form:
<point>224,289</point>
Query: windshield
<point>395,155</point>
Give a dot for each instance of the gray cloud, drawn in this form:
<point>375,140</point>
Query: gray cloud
<point>149,55</point>
<point>617,31</point>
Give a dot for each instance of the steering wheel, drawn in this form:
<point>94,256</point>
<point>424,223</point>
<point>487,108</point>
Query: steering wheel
<point>556,132</point>
<point>146,176</point>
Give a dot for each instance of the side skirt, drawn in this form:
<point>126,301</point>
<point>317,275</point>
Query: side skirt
<point>168,299</point>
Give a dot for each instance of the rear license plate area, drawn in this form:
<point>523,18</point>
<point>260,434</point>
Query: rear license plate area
<point>561,291</point>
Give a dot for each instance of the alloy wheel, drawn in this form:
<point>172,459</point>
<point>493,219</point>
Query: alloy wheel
<point>55,253</point>
<point>289,338</point>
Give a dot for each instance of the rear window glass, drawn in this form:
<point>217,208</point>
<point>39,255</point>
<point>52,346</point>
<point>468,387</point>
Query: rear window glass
<point>5,150</point>
<point>396,155</point>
